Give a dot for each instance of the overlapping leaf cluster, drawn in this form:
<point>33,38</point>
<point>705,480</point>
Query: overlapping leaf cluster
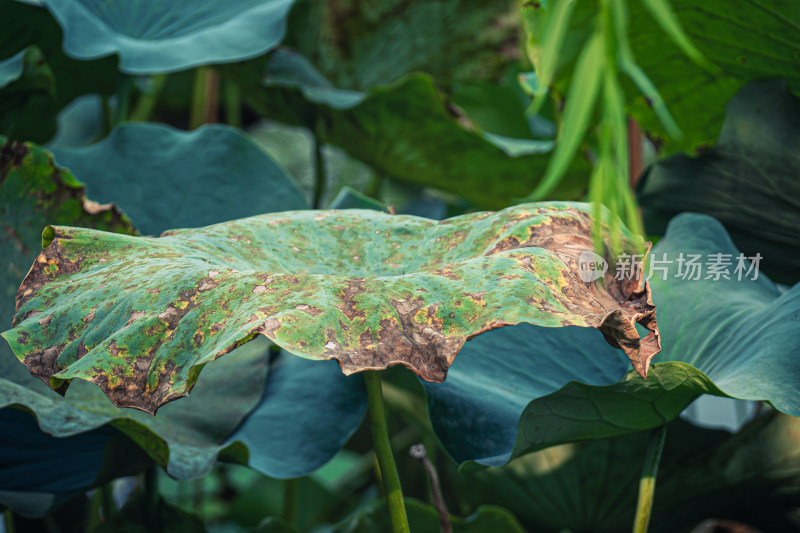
<point>424,95</point>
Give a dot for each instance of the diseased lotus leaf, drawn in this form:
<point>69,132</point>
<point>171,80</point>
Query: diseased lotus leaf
<point>139,316</point>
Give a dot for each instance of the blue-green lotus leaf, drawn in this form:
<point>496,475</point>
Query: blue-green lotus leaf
<point>166,178</point>
<point>154,37</point>
<point>524,388</point>
<point>39,472</point>
<point>592,486</point>
<point>747,180</point>
<point>308,410</point>
<point>11,68</point>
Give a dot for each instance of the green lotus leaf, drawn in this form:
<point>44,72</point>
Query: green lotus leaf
<point>722,30</point>
<point>405,131</point>
<point>452,40</point>
<point>423,518</point>
<point>750,476</point>
<point>154,173</point>
<point>11,68</point>
<point>349,198</point>
<point>33,193</point>
<point>139,316</point>
<point>748,180</point>
<point>525,388</point>
<point>153,37</point>
<point>185,438</point>
<point>52,81</point>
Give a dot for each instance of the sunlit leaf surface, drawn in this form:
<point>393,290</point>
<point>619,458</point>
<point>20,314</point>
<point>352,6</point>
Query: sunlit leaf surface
<point>140,316</point>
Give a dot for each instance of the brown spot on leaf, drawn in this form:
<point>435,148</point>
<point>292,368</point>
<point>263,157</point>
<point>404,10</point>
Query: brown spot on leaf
<point>136,315</point>
<point>348,303</point>
<point>509,243</point>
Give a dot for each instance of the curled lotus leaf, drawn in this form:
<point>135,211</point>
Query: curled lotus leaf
<point>140,316</point>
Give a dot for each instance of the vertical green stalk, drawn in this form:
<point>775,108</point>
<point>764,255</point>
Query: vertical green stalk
<point>151,496</point>
<point>205,97</point>
<point>107,501</point>
<point>123,94</point>
<point>647,483</point>
<point>147,101</point>
<point>233,103</point>
<point>290,501</point>
<point>9,521</point>
<point>319,170</point>
<point>383,450</point>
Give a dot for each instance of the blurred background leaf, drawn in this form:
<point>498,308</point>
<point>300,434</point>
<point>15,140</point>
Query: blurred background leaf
<point>154,37</point>
<point>165,178</point>
<point>751,476</point>
<point>748,180</point>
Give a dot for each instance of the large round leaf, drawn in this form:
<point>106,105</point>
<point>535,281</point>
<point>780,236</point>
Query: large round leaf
<point>187,437</point>
<point>525,388</point>
<point>138,315</point>
<point>751,476</point>
<point>166,178</point>
<point>405,131</point>
<point>152,36</point>
<point>748,180</point>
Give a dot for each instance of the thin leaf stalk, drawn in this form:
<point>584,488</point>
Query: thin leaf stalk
<point>150,488</point>
<point>233,103</point>
<point>147,101</point>
<point>647,482</point>
<point>290,501</point>
<point>107,502</point>
<point>123,97</point>
<point>319,169</point>
<point>205,97</point>
<point>8,516</point>
<point>419,452</point>
<point>383,451</point>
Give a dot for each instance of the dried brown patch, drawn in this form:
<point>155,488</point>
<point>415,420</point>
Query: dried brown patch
<point>348,304</point>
